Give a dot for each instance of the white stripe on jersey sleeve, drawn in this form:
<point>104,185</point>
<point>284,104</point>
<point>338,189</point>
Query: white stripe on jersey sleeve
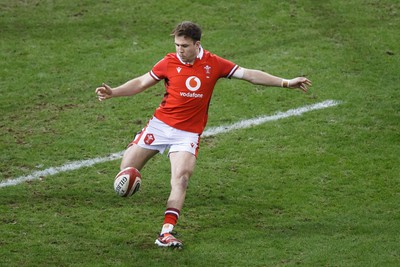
<point>155,77</point>
<point>239,73</point>
<point>232,71</point>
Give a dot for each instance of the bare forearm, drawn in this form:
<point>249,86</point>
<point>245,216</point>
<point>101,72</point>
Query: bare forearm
<point>262,78</point>
<point>266,79</point>
<point>129,88</point>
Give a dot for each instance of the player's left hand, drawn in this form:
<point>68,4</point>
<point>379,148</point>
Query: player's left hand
<point>104,92</point>
<point>301,83</point>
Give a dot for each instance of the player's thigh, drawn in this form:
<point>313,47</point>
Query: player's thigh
<point>136,156</point>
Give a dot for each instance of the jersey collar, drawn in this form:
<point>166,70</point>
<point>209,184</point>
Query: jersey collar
<point>201,53</point>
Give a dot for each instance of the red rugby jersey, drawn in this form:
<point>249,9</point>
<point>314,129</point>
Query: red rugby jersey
<point>189,88</point>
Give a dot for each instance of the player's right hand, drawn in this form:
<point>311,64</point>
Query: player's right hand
<point>104,92</point>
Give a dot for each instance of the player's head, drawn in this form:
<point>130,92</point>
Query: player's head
<point>187,41</point>
<point>187,29</point>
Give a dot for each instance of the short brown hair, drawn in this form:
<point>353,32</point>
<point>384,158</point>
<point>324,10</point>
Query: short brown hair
<point>188,29</point>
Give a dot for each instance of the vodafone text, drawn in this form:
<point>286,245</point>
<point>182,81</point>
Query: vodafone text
<point>193,95</point>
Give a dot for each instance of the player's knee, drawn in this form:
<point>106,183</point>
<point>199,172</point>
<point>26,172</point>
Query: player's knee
<point>182,180</point>
<point>123,166</point>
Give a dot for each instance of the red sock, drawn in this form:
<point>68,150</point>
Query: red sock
<point>170,220</point>
<point>171,216</point>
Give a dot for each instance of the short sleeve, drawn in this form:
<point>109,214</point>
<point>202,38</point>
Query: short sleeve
<point>159,71</point>
<point>227,68</point>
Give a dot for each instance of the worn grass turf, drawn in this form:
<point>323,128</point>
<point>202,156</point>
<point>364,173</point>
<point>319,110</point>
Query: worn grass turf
<point>316,190</point>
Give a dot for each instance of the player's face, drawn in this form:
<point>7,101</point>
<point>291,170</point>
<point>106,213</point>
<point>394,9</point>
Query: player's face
<point>186,48</point>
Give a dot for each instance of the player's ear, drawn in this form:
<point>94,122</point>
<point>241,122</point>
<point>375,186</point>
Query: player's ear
<point>197,44</point>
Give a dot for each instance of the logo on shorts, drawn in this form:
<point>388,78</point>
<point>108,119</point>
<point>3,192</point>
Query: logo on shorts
<point>149,139</point>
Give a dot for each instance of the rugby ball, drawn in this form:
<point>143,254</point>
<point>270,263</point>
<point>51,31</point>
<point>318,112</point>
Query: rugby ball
<point>127,182</point>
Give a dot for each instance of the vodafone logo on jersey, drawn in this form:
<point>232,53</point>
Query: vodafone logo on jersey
<point>193,84</point>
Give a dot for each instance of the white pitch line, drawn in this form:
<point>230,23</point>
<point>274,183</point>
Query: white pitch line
<point>263,119</point>
<point>74,165</point>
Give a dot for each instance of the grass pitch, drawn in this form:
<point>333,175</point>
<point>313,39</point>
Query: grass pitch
<point>315,190</point>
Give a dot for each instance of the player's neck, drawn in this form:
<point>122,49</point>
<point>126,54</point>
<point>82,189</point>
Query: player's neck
<point>195,57</point>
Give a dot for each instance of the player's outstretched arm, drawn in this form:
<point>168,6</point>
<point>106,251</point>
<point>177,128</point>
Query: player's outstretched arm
<point>129,88</point>
<point>263,78</point>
